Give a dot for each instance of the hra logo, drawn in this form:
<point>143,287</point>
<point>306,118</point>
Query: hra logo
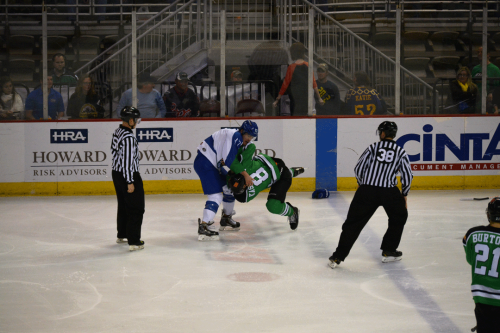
<point>155,134</point>
<point>484,145</point>
<point>69,136</point>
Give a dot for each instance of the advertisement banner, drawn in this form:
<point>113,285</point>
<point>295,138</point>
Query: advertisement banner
<point>80,151</point>
<point>436,146</point>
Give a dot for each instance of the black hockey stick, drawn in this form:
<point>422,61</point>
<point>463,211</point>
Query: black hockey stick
<point>475,199</point>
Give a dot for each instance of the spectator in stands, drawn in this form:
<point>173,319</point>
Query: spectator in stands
<point>11,104</point>
<point>60,75</point>
<point>491,71</point>
<point>295,83</point>
<point>34,102</point>
<point>362,99</point>
<point>496,101</point>
<point>180,100</point>
<point>329,93</point>
<point>463,92</point>
<point>148,99</point>
<point>236,76</point>
<point>85,102</point>
<point>238,92</point>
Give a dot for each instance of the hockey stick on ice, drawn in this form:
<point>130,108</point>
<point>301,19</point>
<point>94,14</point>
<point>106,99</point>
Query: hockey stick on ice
<point>475,199</point>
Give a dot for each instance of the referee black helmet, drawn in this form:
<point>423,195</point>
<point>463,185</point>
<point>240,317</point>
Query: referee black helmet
<point>129,112</point>
<point>493,210</point>
<point>389,128</point>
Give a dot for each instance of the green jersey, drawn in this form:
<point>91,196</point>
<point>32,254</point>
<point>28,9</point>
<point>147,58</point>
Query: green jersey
<point>491,71</point>
<point>261,168</point>
<point>482,250</point>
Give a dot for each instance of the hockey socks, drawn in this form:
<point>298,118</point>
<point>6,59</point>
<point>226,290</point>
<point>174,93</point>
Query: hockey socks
<point>279,208</point>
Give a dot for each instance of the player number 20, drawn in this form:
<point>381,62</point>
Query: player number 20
<point>259,176</point>
<point>370,109</point>
<point>483,257</point>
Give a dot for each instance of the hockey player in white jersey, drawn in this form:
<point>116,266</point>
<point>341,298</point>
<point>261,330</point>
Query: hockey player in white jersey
<point>215,155</point>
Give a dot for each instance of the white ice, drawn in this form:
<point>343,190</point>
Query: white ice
<point>61,270</point>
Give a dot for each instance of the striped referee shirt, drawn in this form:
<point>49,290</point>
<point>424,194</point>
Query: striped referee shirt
<point>381,162</point>
<point>125,150</point>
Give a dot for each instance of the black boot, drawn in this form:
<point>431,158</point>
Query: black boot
<point>206,234</point>
<point>297,171</point>
<point>227,223</point>
<point>388,256</point>
<point>294,219</point>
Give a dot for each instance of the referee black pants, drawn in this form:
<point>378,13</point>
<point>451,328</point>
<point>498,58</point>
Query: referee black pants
<point>364,204</point>
<point>130,207</point>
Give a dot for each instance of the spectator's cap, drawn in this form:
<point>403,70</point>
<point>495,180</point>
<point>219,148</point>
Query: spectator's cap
<point>182,76</point>
<point>323,68</point>
<point>236,75</point>
<point>320,194</point>
<point>145,78</point>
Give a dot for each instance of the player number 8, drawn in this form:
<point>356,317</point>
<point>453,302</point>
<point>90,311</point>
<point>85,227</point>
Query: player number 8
<point>259,176</point>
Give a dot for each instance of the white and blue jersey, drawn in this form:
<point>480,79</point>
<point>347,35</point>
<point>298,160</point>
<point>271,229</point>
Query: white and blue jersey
<point>221,146</point>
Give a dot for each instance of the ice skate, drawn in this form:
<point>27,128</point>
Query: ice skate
<point>294,219</point>
<point>136,247</point>
<point>334,262</point>
<point>227,223</point>
<point>388,256</point>
<point>204,233</point>
<point>121,240</point>
<point>297,171</point>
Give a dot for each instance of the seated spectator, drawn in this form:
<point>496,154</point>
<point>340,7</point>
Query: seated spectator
<point>148,99</point>
<point>495,101</point>
<point>60,75</point>
<point>362,99</point>
<point>34,102</point>
<point>329,93</point>
<point>240,91</point>
<point>11,104</point>
<point>295,82</point>
<point>491,71</point>
<point>463,92</point>
<point>236,76</point>
<point>85,103</point>
<point>180,100</point>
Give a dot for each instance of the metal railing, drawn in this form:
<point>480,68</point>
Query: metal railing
<point>347,53</point>
<point>159,39</point>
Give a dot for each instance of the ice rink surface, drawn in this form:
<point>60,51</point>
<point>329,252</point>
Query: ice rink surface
<point>61,270</point>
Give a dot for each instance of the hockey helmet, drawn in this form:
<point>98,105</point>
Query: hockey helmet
<point>389,128</point>
<point>493,210</point>
<point>250,128</point>
<point>129,112</point>
<point>237,184</point>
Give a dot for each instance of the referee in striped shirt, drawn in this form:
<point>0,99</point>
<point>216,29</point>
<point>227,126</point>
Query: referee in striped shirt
<point>127,180</point>
<point>376,173</point>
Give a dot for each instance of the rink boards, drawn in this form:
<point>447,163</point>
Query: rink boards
<point>74,158</point>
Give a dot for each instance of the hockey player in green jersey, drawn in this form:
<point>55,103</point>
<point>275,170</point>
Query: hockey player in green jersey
<point>482,249</point>
<point>266,172</point>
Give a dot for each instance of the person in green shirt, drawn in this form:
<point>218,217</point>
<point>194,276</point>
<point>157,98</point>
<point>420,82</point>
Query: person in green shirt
<point>266,172</point>
<point>60,75</point>
<point>482,250</point>
<point>491,71</point>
